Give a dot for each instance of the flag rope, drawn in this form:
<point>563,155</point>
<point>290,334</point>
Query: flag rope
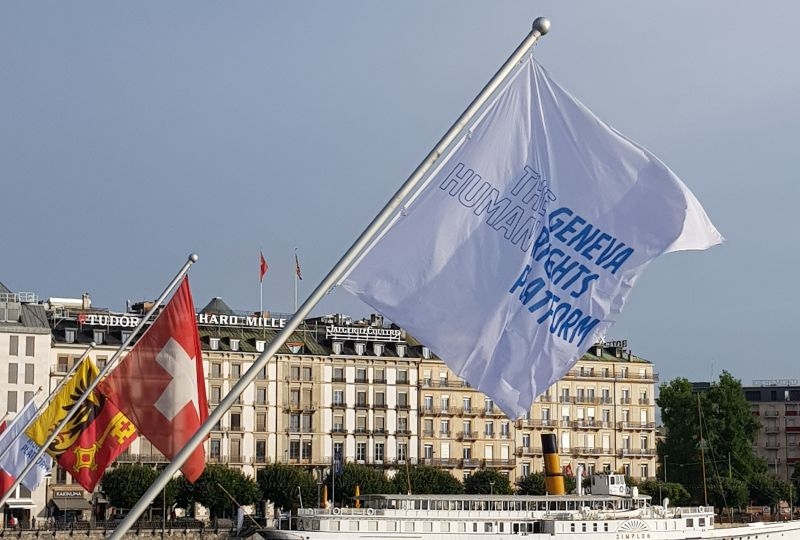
<point>540,27</point>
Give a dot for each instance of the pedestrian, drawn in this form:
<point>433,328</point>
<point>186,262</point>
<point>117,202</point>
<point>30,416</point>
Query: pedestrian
<point>33,522</point>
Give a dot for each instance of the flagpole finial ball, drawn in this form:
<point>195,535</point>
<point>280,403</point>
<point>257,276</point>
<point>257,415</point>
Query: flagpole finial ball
<point>193,257</point>
<point>542,25</point>
<point>92,344</point>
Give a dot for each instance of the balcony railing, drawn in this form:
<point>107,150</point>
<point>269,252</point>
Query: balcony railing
<point>636,425</point>
<point>633,452</point>
<point>529,450</point>
<point>467,435</point>
<point>500,463</point>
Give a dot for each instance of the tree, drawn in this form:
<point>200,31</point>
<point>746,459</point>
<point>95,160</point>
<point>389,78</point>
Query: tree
<point>531,484</point>
<point>426,480</point>
<point>729,432</point>
<point>659,490</point>
<point>724,492</point>
<point>279,483</point>
<point>368,479</point>
<point>766,489</point>
<point>210,490</point>
<point>487,481</point>
<point>125,484</point>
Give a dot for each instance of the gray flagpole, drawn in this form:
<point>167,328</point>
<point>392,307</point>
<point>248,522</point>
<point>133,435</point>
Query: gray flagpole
<point>74,410</point>
<point>540,27</point>
<point>55,391</point>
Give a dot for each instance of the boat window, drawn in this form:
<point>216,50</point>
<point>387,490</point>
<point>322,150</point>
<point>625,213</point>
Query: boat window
<point>487,527</point>
<point>571,527</point>
<point>408,526</point>
<point>444,526</point>
<point>501,526</point>
<point>372,525</point>
<point>594,527</point>
<point>334,525</point>
<point>391,526</point>
<point>462,527</point>
<point>701,522</point>
<point>605,527</point>
<point>515,528</point>
<point>427,526</point>
<point>689,522</point>
<point>354,524</point>
<point>424,504</point>
<point>583,527</point>
<point>474,527</point>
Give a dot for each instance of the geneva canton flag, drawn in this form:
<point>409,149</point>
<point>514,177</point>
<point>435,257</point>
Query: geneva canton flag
<point>521,248</point>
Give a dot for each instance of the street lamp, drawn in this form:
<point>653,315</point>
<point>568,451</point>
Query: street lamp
<point>491,487</point>
<point>319,487</point>
<point>664,464</point>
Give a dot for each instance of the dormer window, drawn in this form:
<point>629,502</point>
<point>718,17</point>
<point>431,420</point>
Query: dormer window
<point>69,335</point>
<point>260,345</point>
<point>401,350</point>
<point>337,347</point>
<point>213,343</point>
<point>126,335</point>
<point>360,348</point>
<point>377,348</point>
<point>99,336</point>
<point>234,344</point>
<point>426,353</point>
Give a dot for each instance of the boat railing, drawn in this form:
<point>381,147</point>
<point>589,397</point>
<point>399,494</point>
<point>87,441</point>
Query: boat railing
<point>339,511</point>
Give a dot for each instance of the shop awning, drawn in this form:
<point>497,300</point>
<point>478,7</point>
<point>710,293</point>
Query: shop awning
<point>21,504</point>
<point>71,504</point>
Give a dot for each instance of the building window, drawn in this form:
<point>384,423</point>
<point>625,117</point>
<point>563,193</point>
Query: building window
<point>402,451</point>
<point>30,346</point>
<point>361,451</point>
<point>260,345</point>
<point>426,353</point>
<point>236,421</point>
<point>29,373</point>
<point>360,348</point>
<point>101,362</point>
<point>380,399</point>
<point>234,344</point>
<point>307,373</point>
<point>12,373</point>
<point>126,335</point>
<point>489,429</point>
<point>69,335</point>
<point>27,397</point>
<point>216,369</point>
<point>261,421</point>
<point>261,395</point>
<point>379,452</point>
<point>99,336</point>
<point>216,394</point>
<point>338,397</point>
<point>402,400</point>
<point>12,401</point>
<point>338,374</point>
<point>402,377</point>
<point>361,375</point>
<point>215,449</point>
<point>427,451</point>
<point>62,364</point>
<point>13,345</point>
<point>428,403</point>
<point>526,469</point>
<point>261,451</point>
<point>236,371</point>
<point>337,347</point>
<point>213,343</point>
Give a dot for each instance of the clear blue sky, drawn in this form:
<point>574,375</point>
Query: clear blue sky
<point>133,134</point>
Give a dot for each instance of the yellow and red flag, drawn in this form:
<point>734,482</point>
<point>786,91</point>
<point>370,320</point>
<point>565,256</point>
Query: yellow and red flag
<point>95,435</point>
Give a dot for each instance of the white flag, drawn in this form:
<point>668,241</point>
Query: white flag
<point>522,247</point>
<point>17,450</point>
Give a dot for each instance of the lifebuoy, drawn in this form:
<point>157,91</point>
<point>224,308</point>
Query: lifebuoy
<point>336,511</point>
<point>370,511</point>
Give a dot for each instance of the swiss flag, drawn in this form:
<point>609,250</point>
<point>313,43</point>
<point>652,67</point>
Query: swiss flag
<point>160,385</point>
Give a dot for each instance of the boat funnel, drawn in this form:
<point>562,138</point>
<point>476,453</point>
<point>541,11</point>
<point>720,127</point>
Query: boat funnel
<point>553,477</point>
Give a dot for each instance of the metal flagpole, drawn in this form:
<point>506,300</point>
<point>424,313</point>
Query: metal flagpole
<point>540,27</point>
<point>295,279</point>
<point>55,391</point>
<point>92,385</point>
